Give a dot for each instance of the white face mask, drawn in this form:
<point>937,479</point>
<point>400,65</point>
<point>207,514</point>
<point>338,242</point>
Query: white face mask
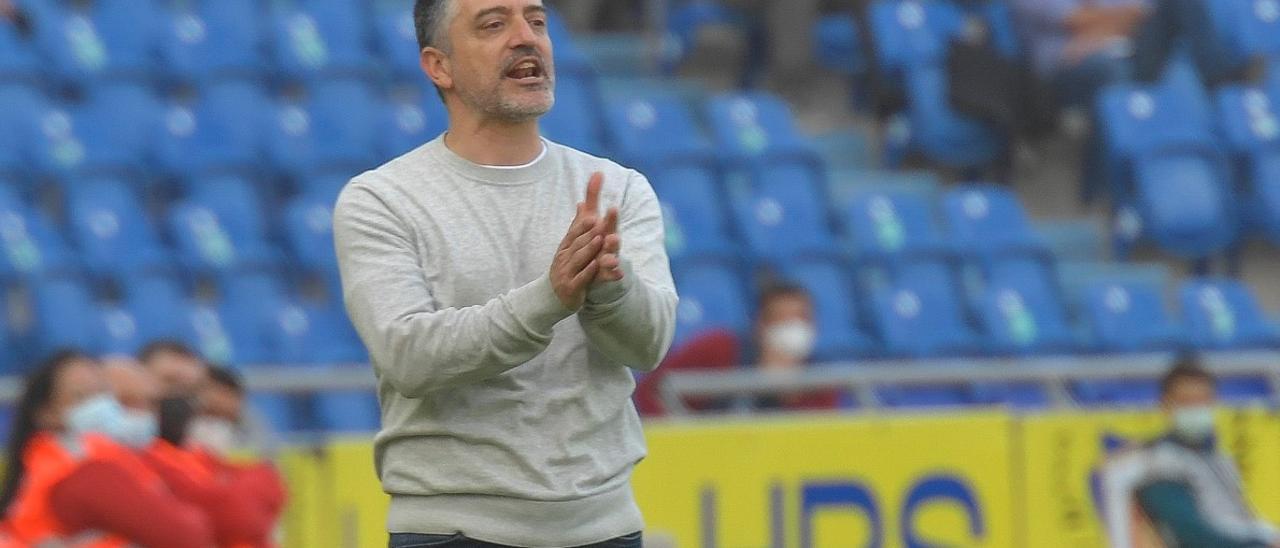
<point>794,338</point>
<point>218,436</point>
<point>103,414</point>
<point>1193,424</point>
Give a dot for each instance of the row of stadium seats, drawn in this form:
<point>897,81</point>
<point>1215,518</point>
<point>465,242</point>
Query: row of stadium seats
<point>179,42</point>
<point>984,286</point>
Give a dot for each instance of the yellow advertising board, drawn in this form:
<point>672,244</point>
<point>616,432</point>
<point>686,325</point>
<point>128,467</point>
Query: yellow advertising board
<point>911,481</point>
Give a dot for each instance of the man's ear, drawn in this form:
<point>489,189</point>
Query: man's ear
<point>436,66</point>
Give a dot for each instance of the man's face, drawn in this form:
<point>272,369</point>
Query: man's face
<point>221,401</point>
<point>499,58</point>
<point>179,374</point>
<point>786,327</point>
<point>1189,393</point>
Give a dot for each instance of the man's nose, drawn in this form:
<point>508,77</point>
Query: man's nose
<point>524,34</point>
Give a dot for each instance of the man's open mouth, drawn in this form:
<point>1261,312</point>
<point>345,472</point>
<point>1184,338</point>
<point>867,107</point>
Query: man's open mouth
<point>526,70</point>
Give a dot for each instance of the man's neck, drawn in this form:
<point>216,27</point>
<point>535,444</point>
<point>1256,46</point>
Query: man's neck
<point>495,143</point>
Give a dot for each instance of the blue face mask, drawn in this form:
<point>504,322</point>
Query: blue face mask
<point>102,414</point>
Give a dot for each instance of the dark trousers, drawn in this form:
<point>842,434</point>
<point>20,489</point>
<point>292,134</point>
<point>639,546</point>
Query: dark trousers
<point>413,540</point>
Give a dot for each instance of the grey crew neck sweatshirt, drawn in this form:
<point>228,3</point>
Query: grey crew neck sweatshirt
<point>505,416</point>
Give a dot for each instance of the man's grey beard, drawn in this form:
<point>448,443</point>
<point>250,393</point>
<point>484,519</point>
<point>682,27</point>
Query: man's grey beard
<point>496,107</point>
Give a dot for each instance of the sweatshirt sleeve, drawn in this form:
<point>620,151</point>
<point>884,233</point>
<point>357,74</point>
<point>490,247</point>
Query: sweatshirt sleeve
<point>1171,505</point>
<point>416,346</point>
<point>633,320</point>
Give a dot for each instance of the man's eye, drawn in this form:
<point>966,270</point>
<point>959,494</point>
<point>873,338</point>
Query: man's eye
<point>538,22</point>
<point>495,25</point>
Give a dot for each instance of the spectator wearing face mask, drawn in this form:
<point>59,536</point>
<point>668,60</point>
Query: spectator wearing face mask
<point>180,369</point>
<point>73,458</point>
<point>1182,489</point>
<point>785,335</point>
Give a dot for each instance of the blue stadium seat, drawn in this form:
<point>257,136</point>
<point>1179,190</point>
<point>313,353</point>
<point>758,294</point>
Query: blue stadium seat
<point>397,40</point>
<point>886,223</point>
<point>1243,390</point>
<point>836,306</point>
<point>923,396</point>
<point>106,40</point>
<point>65,316</point>
<point>750,127</point>
<point>1244,29</point>
<point>920,314</point>
<point>1129,317</point>
<point>112,131</point>
<point>940,133</point>
<point>656,132</point>
<point>30,247</point>
<point>160,306</point>
<point>19,59</point>
<point>694,210</point>
<point>986,221</point>
<point>911,33</point>
<point>1169,178</point>
<point>1129,393</point>
<point>308,231</point>
<point>112,231</point>
<point>1250,123</point>
<point>332,339</point>
<point>1022,316</point>
<point>575,119</point>
<point>119,332</point>
<point>220,228</point>
<point>1018,396</point>
<point>336,129</point>
<point>413,117</point>
<point>347,411</point>
<point>220,132</point>
<point>18,127</point>
<point>210,334</point>
<point>1223,314</point>
<point>312,38</point>
<point>280,411</point>
<point>206,40</point>
<point>837,45</point>
<point>711,297</point>
<point>569,58</point>
<point>784,215</point>
<point>265,323</point>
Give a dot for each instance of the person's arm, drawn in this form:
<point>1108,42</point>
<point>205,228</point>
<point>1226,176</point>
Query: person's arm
<point>416,345</point>
<point>151,518</point>
<point>1171,506</point>
<point>233,510</point>
<point>632,320</point>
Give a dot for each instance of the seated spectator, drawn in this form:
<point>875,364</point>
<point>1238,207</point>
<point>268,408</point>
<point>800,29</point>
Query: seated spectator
<point>717,350</point>
<point>785,335</point>
<point>241,503</point>
<point>180,369</point>
<point>72,461</point>
<point>1182,487</point>
<point>226,425</point>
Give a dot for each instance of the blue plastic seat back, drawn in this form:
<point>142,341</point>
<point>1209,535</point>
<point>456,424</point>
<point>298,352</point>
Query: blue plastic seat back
<point>940,133</point>
<point>208,39</point>
<point>347,411</point>
<point>160,306</point>
<point>830,287</point>
<point>1129,317</point>
<point>909,33</point>
<point>784,214</point>
<point>569,57</point>
<point>66,316</point>
<point>1225,314</point>
<point>712,296</point>
<point>30,246</point>
<point>118,125</point>
<point>237,204</point>
<point>694,212</point>
<point>19,58</point>
<point>1243,390</point>
<point>112,38</point>
<point>119,332</point>
<point>755,125</point>
<point>113,232</point>
<point>19,126</point>
<point>220,132</point>
<point>1249,119</point>
<point>1245,28</point>
<point>412,119</point>
<point>1172,114</point>
<point>313,39</point>
<point>1127,393</point>
<point>308,231</point>
<point>1186,203</point>
<point>332,339</point>
<point>397,40</point>
<point>1019,319</point>
<point>838,45</point>
<point>988,220</point>
<point>336,128</point>
<point>281,412</point>
<point>575,119</point>
<point>654,130</point>
<point>888,222</point>
<point>920,314</point>
<point>220,227</point>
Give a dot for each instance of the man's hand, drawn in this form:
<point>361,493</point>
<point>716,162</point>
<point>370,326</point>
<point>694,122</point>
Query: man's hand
<point>578,260</point>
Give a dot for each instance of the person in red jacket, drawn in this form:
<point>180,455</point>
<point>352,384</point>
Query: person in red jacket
<point>241,502</point>
<point>72,460</point>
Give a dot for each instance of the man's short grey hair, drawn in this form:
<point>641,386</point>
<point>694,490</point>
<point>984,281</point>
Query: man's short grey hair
<point>430,18</point>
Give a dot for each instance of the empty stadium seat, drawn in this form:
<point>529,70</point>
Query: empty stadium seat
<point>332,339</point>
<point>413,117</point>
<point>210,335</point>
<point>30,247</point>
<point>397,40</point>
<point>752,127</point>
<point>711,297</point>
<point>65,316</point>
<point>19,59</point>
<point>656,132</point>
<point>885,223</point>
<point>220,228</point>
<point>308,231</point>
<point>347,411</point>
<point>1244,29</point>
<point>106,40</point>
<point>314,38</point>
<point>830,286</point>
<point>265,323</point>
<point>279,411</point>
<point>783,215</point>
<point>18,127</point>
<point>1022,316</point>
<point>1250,122</point>
<point>1169,178</point>
<point>119,332</point>
<point>837,44</point>
<point>335,129</point>
<point>205,40</point>
<point>694,211</point>
<point>920,314</point>
<point>986,220</point>
<point>112,131</point>
<point>160,306</point>
<point>220,132</point>
<point>569,58</point>
<point>1129,317</point>
<point>574,121</point>
<point>1223,314</point>
<point>1126,393</point>
<point>112,231</point>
